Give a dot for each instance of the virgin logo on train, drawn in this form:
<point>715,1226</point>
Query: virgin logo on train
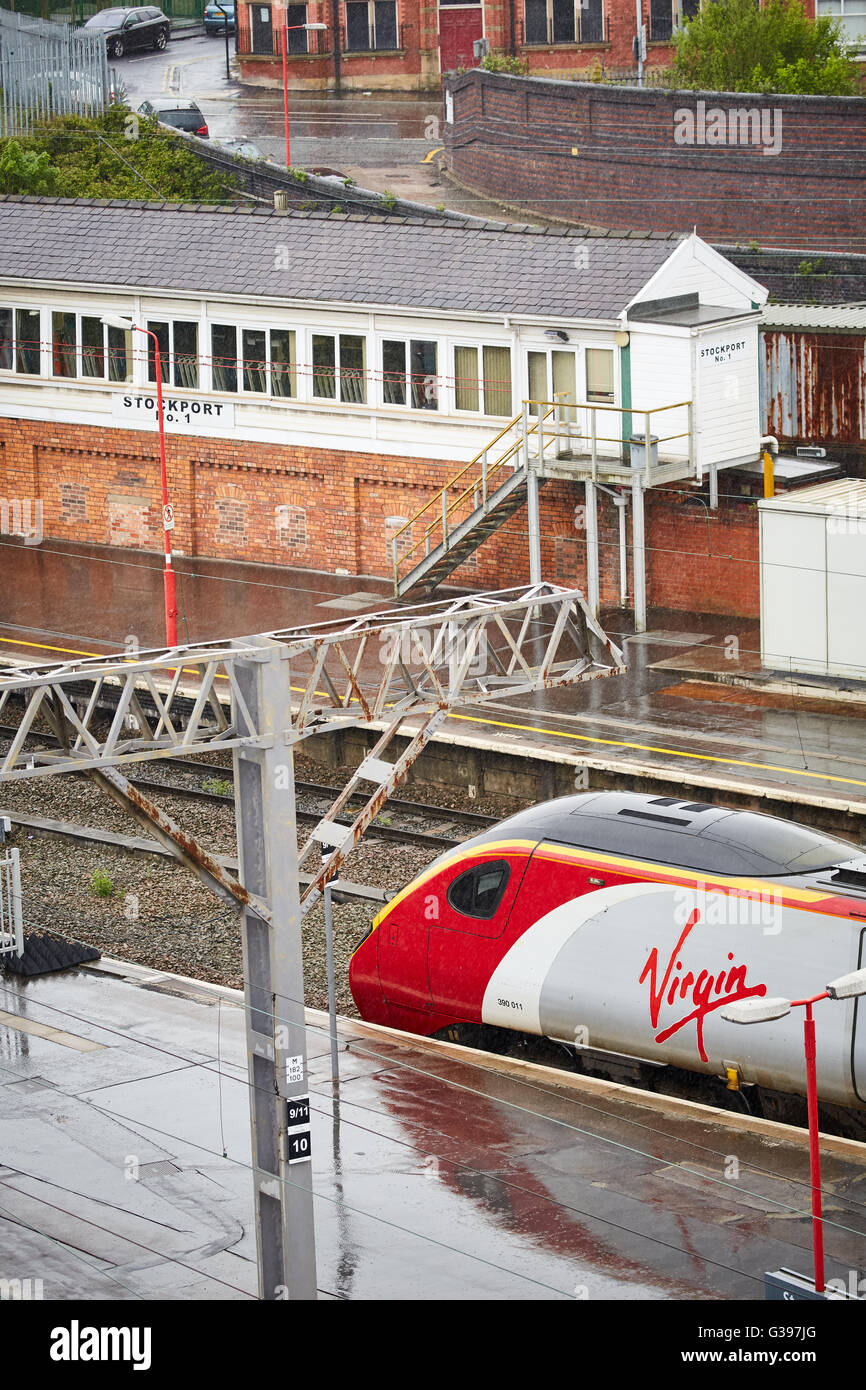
<point>690,997</point>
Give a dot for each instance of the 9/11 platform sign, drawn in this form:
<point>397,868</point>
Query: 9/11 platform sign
<point>298,1140</point>
<point>181,414</point>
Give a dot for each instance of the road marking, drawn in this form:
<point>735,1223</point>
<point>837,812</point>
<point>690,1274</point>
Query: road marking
<point>427,158</point>
<point>651,748</point>
<point>559,733</point>
<point>56,1035</point>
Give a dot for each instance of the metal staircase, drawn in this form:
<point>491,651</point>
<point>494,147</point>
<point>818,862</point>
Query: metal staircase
<point>472,505</point>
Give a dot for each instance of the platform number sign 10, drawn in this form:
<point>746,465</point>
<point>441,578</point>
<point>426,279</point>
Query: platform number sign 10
<point>298,1129</point>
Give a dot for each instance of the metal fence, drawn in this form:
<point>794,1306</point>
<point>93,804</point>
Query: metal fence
<point>11,916</point>
<point>77,11</point>
<point>48,70</point>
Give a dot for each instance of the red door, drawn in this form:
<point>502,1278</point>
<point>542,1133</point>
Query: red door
<point>459,27</point>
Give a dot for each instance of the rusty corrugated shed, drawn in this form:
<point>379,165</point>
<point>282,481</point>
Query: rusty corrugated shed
<point>813,385</point>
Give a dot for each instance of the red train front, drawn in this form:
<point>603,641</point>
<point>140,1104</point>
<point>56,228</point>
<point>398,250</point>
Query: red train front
<point>625,923</point>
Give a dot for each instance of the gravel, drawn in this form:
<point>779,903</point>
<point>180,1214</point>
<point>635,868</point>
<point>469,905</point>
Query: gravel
<point>150,910</point>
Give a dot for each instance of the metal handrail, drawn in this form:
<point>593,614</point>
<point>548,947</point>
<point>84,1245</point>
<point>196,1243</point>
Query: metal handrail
<point>480,486</point>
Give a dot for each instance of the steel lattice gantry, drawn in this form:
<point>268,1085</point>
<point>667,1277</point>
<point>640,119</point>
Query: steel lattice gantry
<point>259,696</point>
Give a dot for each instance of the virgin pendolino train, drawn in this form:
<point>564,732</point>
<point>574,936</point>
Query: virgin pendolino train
<point>621,925</point>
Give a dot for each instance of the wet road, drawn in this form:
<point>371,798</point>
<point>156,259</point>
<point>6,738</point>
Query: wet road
<point>355,130</point>
<point>666,715</point>
<point>434,1177</point>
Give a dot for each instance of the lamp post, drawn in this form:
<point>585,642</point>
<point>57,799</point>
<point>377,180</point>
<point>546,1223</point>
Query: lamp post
<point>115,321</point>
<point>767,1009</point>
<point>287,28</point>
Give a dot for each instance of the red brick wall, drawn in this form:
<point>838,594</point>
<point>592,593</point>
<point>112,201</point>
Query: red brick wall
<point>514,138</point>
<point>326,509</point>
<point>417,64</point>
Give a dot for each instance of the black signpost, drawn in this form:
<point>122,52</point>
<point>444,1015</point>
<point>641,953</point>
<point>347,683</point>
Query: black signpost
<point>225,14</point>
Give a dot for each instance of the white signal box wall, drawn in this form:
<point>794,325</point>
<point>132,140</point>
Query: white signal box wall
<point>813,580</point>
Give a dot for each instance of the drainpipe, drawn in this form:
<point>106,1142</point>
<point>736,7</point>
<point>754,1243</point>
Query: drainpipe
<point>512,48</point>
<point>621,502</point>
<point>335,20</point>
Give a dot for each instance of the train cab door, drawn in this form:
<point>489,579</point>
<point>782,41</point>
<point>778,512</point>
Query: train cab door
<point>403,954</point>
<point>466,935</point>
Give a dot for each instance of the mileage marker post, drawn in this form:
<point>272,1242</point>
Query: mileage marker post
<point>786,1284</point>
<point>115,321</point>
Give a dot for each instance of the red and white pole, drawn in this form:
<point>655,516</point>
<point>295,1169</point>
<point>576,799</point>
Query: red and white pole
<point>814,1148</point>
<point>286,93</point>
<point>167,512</point>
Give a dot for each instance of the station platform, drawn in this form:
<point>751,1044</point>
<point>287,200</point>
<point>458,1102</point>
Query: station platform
<point>438,1172</point>
<point>694,710</point>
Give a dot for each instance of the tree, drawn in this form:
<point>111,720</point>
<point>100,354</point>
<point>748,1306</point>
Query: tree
<point>25,171</point>
<point>745,46</point>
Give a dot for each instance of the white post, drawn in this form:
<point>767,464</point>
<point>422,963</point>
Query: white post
<point>534,526</point>
<point>623,552</point>
<point>592,586</point>
<point>639,556</point>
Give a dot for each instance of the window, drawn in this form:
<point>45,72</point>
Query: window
<point>27,341</point>
<point>7,340</point>
<point>661,25</point>
<point>119,354</point>
<point>371,24</point>
<point>563,21</point>
<point>162,335</point>
<point>92,348</point>
<point>394,373</point>
<point>178,353</point>
<point>255,361</point>
<point>352,367</point>
<point>284,380</point>
<point>422,373</point>
<point>63,345</point>
<point>224,356</point>
<point>492,393</point>
<point>851,13</point>
<point>599,375</point>
<point>185,354</point>
<point>296,39</point>
<point>419,386</point>
<point>479,891</point>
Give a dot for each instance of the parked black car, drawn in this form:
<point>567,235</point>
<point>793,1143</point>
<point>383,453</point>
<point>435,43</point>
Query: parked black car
<point>179,112</point>
<point>144,26</point>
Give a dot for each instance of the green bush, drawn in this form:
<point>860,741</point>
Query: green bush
<point>504,62</point>
<point>744,46</point>
<point>116,155</point>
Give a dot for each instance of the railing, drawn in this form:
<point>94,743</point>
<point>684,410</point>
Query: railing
<point>49,70</point>
<point>11,916</point>
<point>581,447</point>
<point>445,515</point>
<point>578,424</point>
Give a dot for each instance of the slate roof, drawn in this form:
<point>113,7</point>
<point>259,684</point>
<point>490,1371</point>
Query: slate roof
<point>343,258</point>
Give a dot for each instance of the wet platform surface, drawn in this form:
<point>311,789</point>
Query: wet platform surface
<point>124,1170</point>
<point>670,713</point>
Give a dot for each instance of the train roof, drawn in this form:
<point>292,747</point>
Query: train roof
<point>688,834</point>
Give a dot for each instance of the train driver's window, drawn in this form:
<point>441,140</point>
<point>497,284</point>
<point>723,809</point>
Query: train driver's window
<point>479,891</point>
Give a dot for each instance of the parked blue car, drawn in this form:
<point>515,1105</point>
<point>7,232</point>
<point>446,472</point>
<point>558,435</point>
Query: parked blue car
<point>215,21</point>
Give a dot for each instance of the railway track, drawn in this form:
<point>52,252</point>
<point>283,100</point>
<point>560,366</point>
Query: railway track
<point>444,818</point>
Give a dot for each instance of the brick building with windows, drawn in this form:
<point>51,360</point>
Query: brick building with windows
<point>408,44</point>
<point>328,393</point>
